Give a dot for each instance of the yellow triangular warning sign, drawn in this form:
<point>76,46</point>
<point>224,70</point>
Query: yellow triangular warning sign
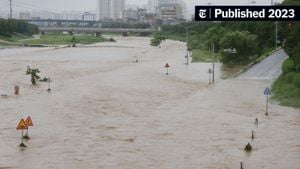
<point>22,125</point>
<point>28,121</point>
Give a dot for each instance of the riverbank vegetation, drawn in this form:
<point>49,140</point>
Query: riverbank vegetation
<point>51,39</point>
<point>235,42</point>
<point>61,39</point>
<point>286,89</point>
<point>12,31</point>
<point>157,40</point>
<point>10,27</point>
<point>18,33</point>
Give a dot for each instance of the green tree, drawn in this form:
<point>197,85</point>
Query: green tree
<point>157,39</point>
<point>214,36</point>
<point>288,66</point>
<point>291,2</point>
<point>243,42</point>
<point>11,26</point>
<point>34,74</point>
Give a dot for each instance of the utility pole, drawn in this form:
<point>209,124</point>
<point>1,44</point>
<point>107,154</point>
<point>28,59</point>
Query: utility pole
<point>187,45</point>
<point>213,63</point>
<point>10,11</point>
<point>276,34</point>
<point>276,27</point>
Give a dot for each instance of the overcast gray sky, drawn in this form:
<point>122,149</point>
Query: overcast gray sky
<point>87,5</point>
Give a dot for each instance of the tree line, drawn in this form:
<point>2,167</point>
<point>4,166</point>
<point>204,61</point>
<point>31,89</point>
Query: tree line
<point>248,40</point>
<point>10,26</point>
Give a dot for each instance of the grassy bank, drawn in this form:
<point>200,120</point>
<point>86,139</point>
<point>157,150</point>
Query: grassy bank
<point>200,55</point>
<point>228,70</point>
<point>16,37</point>
<point>166,35</point>
<point>287,93</point>
<point>13,40</point>
<point>59,39</point>
<point>49,39</point>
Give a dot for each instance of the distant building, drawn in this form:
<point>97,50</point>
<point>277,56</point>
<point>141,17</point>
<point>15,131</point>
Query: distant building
<point>151,19</point>
<point>104,9</point>
<point>24,15</point>
<point>65,15</point>
<point>87,16</point>
<point>73,15</point>
<point>110,9</point>
<point>141,15</point>
<point>171,11</point>
<point>130,15</point>
<point>152,6</point>
<point>118,6</point>
<point>131,6</point>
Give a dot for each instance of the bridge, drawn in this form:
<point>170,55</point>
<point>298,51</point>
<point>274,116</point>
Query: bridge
<point>83,26</point>
<point>94,30</point>
<point>51,21</point>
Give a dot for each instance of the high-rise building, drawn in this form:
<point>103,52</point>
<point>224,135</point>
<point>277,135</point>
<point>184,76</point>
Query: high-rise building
<point>117,9</point>
<point>104,9</point>
<point>171,10</point>
<point>130,15</point>
<point>110,9</point>
<point>87,16</point>
<point>152,6</point>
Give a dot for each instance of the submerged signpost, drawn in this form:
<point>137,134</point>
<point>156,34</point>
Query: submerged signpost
<point>167,66</point>
<point>22,126</point>
<point>49,84</point>
<point>28,122</point>
<point>209,74</point>
<point>267,92</point>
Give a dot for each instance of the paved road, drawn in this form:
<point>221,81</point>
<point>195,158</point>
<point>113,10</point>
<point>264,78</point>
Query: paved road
<point>269,68</point>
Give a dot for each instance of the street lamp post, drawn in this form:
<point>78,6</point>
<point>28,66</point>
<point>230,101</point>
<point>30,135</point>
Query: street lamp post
<point>187,45</point>
<point>213,63</point>
<point>276,34</point>
<point>276,26</point>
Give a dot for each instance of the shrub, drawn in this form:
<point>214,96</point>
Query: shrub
<point>289,77</point>
<point>34,74</point>
<point>298,68</point>
<point>243,42</point>
<point>296,80</point>
<point>288,65</point>
<point>155,42</point>
<point>157,39</point>
<point>111,40</point>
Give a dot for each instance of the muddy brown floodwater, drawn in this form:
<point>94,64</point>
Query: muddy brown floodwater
<point>106,112</point>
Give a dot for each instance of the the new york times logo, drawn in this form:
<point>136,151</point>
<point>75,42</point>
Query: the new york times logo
<point>202,13</point>
<point>247,13</point>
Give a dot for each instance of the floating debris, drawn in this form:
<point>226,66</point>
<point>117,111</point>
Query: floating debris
<point>248,148</point>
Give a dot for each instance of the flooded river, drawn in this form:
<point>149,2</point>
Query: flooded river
<point>107,112</point>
